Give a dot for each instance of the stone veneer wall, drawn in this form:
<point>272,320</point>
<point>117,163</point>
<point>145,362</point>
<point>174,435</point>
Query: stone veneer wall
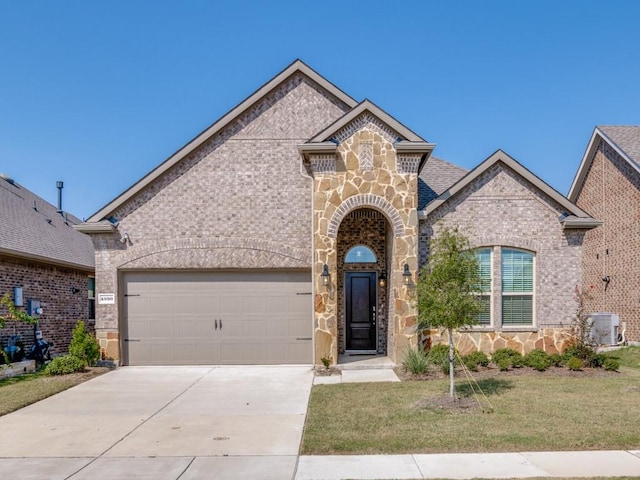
<point>365,173</point>
<point>502,209</point>
<point>51,285</point>
<point>363,227</point>
<point>238,201</point>
<point>611,193</point>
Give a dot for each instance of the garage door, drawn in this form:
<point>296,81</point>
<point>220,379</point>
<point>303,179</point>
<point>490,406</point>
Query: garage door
<point>210,318</point>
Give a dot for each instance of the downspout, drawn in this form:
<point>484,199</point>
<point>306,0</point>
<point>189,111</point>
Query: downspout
<point>303,174</point>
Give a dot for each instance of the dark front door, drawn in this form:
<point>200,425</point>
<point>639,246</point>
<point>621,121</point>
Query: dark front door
<point>360,296</point>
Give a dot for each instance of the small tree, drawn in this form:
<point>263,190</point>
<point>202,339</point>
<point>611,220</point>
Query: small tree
<point>448,288</point>
<point>84,345</point>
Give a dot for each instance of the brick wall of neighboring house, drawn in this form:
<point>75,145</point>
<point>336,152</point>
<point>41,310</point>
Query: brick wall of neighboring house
<point>52,286</point>
<point>500,208</point>
<point>240,200</point>
<point>611,193</point>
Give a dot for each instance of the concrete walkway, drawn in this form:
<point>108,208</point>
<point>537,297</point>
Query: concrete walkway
<point>188,423</point>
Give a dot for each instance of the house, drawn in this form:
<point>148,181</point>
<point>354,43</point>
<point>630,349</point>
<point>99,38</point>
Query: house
<point>293,228</point>
<point>607,185</point>
<point>44,263</point>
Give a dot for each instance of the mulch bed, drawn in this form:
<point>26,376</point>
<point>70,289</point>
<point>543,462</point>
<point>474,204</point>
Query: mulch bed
<point>491,371</point>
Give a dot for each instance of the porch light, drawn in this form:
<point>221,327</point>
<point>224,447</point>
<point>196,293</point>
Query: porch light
<point>325,275</point>
<point>406,275</point>
<point>382,279</point>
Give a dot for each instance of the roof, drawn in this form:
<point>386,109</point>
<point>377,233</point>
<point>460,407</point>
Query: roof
<point>366,106</point>
<point>436,176</point>
<point>296,67</point>
<point>407,141</point>
<point>32,228</point>
<point>624,139</point>
<point>573,217</point>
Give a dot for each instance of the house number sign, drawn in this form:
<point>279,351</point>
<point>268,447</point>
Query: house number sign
<point>106,298</point>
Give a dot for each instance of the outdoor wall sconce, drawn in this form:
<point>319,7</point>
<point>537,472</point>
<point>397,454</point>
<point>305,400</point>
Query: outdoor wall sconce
<point>325,275</point>
<point>75,290</point>
<point>17,297</point>
<point>382,280</point>
<point>406,275</point>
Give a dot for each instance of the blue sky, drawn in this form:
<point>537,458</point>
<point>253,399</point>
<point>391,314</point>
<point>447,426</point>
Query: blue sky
<point>99,93</point>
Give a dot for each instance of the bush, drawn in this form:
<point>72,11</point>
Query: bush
<point>515,358</point>
<point>611,364</point>
<point>555,359</point>
<point>439,356</point>
<point>504,363</point>
<point>415,361</point>
<point>583,352</point>
<point>472,360</point>
<point>537,359</point>
<point>84,345</point>
<point>64,365</point>
<point>575,364</point>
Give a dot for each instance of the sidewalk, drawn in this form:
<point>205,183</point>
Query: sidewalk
<point>470,465</point>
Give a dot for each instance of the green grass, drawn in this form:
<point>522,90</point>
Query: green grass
<point>19,391</point>
<point>531,413</point>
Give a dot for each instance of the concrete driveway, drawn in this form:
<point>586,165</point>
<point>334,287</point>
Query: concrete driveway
<point>163,423</point>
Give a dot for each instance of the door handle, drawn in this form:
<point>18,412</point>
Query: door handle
<point>220,324</point>
<point>216,323</point>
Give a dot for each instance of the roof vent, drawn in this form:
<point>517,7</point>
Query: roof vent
<point>7,178</point>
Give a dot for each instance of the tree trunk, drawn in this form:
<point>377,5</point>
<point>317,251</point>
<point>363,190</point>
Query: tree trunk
<point>451,381</point>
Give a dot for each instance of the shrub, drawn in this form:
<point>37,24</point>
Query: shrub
<point>555,359</point>
<point>611,364</point>
<point>84,345</point>
<point>574,363</point>
<point>439,356</point>
<point>537,359</point>
<point>415,361</point>
<point>515,358</point>
<point>583,352</point>
<point>504,363</point>
<point>64,365</point>
<point>472,360</point>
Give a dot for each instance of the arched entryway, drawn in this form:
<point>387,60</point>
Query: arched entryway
<point>364,243</point>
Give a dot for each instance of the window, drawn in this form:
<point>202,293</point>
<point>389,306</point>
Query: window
<point>360,254</point>
<point>517,287</point>
<point>512,291</point>
<point>484,261</point>
<point>91,293</point>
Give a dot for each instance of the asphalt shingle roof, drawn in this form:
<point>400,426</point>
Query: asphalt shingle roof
<point>626,137</point>
<point>436,176</point>
<point>32,228</point>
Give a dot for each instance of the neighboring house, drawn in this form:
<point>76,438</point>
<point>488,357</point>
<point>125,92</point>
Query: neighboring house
<point>607,185</point>
<point>45,263</point>
<point>293,228</point>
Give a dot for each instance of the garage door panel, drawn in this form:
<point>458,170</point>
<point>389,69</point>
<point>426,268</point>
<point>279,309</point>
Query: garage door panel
<point>262,317</point>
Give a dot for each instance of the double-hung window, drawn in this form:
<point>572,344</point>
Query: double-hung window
<point>508,289</point>
<point>517,287</point>
<point>484,263</point>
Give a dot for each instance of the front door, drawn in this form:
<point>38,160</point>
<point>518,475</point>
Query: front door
<point>360,299</point>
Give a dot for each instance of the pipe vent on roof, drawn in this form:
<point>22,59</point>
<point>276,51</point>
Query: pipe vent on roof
<point>7,178</point>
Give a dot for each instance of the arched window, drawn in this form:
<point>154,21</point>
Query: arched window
<point>360,254</point>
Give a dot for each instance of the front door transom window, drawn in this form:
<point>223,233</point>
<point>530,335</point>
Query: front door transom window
<point>360,254</point>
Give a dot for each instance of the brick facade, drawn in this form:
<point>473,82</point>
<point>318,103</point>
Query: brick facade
<point>502,209</point>
<point>240,200</point>
<point>52,286</point>
<point>611,192</point>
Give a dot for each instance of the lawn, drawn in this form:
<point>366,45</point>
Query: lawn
<point>20,391</point>
<point>532,412</point>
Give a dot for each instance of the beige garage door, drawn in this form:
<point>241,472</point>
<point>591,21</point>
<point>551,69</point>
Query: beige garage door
<point>210,318</point>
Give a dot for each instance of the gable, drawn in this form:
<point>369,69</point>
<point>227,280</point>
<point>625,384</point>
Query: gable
<point>296,103</point>
<point>530,186</point>
<point>623,140</point>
